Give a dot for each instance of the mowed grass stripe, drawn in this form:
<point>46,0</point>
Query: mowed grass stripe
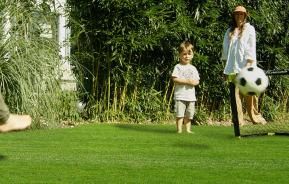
<point>123,153</point>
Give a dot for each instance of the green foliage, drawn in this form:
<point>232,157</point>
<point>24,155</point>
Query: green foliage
<point>128,46</point>
<point>125,53</point>
<point>29,64</point>
<point>269,108</point>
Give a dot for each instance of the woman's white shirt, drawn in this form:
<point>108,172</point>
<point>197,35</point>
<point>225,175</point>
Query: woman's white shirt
<point>238,50</point>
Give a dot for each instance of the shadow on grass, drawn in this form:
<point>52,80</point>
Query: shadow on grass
<point>3,157</point>
<point>143,128</point>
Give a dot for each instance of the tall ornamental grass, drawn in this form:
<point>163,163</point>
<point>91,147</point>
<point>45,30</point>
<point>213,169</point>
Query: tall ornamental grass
<point>29,64</point>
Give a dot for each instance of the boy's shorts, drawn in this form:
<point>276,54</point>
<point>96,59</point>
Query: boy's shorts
<point>185,109</point>
<point>4,111</point>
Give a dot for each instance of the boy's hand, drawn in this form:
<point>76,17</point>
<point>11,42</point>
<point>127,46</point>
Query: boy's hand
<point>193,82</point>
<point>190,82</point>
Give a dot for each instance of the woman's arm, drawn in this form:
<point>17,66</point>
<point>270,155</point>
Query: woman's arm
<point>250,50</point>
<point>226,43</point>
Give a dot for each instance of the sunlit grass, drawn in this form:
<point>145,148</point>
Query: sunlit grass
<point>122,153</point>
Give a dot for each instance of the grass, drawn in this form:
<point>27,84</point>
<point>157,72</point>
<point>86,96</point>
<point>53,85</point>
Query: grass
<point>122,153</point>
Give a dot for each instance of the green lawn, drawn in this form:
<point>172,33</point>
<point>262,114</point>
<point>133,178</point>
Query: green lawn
<point>117,153</point>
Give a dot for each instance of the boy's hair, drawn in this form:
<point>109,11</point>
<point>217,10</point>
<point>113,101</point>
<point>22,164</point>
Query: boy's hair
<point>186,46</point>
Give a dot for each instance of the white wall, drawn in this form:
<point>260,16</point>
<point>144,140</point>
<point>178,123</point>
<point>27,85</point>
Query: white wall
<point>67,78</point>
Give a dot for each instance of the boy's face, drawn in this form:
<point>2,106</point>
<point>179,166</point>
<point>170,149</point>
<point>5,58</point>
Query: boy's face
<point>186,56</point>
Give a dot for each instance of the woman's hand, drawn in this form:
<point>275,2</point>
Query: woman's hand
<point>249,63</point>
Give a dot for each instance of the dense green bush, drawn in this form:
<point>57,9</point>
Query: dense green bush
<point>127,50</point>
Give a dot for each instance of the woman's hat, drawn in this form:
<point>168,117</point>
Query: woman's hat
<point>240,9</point>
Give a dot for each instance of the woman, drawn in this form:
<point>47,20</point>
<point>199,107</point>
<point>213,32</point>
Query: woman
<point>239,51</point>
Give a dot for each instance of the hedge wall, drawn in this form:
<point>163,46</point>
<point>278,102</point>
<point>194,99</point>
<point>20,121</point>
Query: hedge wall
<point>125,50</point>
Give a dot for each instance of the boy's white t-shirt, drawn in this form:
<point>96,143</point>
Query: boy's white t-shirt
<point>185,92</point>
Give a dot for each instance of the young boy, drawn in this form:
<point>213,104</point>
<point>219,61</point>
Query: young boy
<point>11,122</point>
<point>185,77</point>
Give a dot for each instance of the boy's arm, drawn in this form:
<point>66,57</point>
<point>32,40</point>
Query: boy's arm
<point>190,82</point>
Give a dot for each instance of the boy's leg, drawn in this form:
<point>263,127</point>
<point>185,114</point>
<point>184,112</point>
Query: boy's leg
<point>180,108</point>
<point>189,115</point>
<point>16,122</point>
<point>187,123</point>
<point>10,122</point>
<point>179,123</point>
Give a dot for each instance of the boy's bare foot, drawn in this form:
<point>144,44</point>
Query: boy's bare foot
<point>190,132</point>
<point>16,122</point>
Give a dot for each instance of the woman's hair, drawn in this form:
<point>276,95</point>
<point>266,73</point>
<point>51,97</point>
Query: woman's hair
<point>234,25</point>
<point>186,46</point>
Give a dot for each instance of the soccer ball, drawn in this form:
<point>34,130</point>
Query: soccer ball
<point>252,81</point>
<point>80,106</point>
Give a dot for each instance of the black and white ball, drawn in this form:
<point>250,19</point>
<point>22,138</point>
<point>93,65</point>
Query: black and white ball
<point>252,81</point>
<point>80,106</point>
